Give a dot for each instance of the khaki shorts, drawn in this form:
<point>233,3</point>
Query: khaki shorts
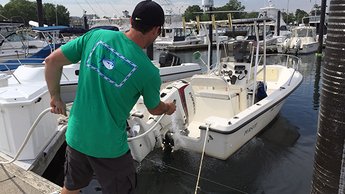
<point>115,175</point>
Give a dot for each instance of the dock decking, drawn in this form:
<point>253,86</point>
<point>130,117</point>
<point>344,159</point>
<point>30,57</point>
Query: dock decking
<point>16,180</point>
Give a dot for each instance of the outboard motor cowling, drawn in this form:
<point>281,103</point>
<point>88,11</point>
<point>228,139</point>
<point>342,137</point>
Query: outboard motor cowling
<point>167,59</point>
<point>175,125</point>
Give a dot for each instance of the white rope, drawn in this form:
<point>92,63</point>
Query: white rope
<point>201,159</point>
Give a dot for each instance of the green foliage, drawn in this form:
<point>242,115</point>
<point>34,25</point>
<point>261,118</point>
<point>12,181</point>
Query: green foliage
<point>24,11</point>
<point>191,12</point>
<point>55,15</point>
<point>20,11</point>
<point>251,15</point>
<point>288,18</point>
<point>299,15</point>
<point>232,5</point>
<point>235,5</point>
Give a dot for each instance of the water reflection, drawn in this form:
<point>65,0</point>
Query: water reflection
<point>243,172</point>
<point>316,96</point>
<point>281,132</point>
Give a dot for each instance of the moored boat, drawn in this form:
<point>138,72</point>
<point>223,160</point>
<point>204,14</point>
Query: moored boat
<point>220,111</point>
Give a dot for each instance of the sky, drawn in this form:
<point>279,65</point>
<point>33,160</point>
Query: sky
<point>112,8</point>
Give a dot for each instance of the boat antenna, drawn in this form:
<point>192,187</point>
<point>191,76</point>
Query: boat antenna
<point>208,6</point>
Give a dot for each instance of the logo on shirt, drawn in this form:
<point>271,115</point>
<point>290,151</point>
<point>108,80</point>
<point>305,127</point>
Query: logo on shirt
<point>108,64</point>
<point>113,67</point>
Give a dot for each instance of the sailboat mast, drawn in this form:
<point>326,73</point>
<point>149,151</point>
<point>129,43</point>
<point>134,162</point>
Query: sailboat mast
<point>39,13</point>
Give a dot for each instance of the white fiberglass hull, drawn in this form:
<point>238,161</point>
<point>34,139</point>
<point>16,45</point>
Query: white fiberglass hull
<point>208,109</point>
<point>222,144</point>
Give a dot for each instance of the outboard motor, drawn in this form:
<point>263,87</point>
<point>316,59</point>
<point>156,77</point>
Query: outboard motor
<point>182,94</point>
<point>167,59</point>
<point>170,127</point>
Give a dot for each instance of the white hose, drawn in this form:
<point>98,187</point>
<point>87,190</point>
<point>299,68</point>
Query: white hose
<point>146,132</point>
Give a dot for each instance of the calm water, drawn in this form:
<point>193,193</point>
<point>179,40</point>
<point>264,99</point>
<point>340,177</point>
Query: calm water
<point>279,160</point>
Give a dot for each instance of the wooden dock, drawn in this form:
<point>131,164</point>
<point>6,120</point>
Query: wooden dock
<point>14,179</point>
<point>17,180</point>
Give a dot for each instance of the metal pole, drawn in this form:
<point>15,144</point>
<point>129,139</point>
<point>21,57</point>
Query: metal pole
<point>86,26</point>
<point>149,51</point>
<point>321,26</point>
<point>329,168</point>
<point>56,16</point>
<point>40,12</point>
<point>210,33</point>
<point>278,24</point>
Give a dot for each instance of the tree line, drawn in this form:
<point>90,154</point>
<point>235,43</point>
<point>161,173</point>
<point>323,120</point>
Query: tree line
<point>23,11</point>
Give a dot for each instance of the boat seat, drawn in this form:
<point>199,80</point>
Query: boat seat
<point>213,87</point>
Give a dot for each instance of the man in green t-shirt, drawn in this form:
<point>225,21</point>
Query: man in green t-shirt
<point>114,73</point>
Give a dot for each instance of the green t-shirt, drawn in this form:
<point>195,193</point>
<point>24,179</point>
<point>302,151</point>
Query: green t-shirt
<point>114,72</point>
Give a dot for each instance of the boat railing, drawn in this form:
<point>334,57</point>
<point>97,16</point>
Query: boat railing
<point>286,60</point>
<point>290,61</point>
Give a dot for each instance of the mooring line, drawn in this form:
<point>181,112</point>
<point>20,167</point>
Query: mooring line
<point>206,179</point>
<point>201,160</point>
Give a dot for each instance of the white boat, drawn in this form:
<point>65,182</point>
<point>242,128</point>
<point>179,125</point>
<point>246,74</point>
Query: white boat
<point>18,42</point>
<point>176,36</point>
<point>278,26</point>
<point>302,41</point>
<point>24,96</point>
<point>171,68</point>
<point>220,111</point>
<point>122,23</point>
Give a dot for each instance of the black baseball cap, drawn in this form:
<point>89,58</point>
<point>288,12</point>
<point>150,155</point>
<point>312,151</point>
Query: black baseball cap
<point>148,13</point>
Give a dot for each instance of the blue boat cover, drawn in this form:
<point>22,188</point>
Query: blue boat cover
<point>49,28</point>
<point>35,59</point>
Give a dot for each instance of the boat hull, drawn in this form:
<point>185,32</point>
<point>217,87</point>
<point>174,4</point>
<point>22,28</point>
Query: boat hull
<point>222,145</point>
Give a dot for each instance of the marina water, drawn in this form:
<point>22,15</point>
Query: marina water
<point>279,160</point>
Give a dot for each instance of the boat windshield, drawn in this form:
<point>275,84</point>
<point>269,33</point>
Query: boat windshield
<point>304,32</point>
<point>238,51</point>
<point>19,37</point>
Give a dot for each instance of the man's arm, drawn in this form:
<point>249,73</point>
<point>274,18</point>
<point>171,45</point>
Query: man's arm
<point>53,70</point>
<point>163,108</point>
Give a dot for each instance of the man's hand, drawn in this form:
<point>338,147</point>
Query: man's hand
<point>164,108</point>
<point>58,106</point>
<point>171,108</point>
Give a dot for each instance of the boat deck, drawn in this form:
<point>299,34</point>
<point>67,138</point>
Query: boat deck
<point>16,180</point>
